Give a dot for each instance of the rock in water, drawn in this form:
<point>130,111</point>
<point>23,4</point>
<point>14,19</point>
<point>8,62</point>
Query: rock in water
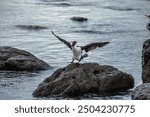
<point>31,27</point>
<point>142,92</point>
<point>79,79</point>
<point>146,61</point>
<point>79,19</point>
<point>20,60</point>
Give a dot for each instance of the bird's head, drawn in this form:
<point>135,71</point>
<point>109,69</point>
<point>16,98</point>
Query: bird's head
<point>148,16</point>
<point>74,43</point>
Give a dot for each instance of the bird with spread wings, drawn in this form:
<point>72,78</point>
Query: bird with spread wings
<point>78,50</point>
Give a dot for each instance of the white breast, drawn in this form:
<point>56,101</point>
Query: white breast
<point>77,52</point>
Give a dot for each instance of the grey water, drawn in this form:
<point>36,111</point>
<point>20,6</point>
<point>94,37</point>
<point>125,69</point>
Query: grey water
<point>122,22</point>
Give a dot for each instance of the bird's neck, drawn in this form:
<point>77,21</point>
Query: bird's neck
<point>74,46</point>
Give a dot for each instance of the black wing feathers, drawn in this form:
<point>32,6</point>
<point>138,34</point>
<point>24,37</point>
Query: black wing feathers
<point>62,40</point>
<point>92,46</point>
<point>87,47</point>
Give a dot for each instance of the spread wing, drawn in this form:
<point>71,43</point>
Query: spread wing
<point>92,46</point>
<point>62,40</point>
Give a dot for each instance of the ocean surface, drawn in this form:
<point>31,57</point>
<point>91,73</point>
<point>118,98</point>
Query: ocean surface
<point>122,22</point>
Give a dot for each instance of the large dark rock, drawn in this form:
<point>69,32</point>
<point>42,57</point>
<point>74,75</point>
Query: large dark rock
<point>142,92</point>
<point>146,61</point>
<point>20,60</point>
<point>79,79</point>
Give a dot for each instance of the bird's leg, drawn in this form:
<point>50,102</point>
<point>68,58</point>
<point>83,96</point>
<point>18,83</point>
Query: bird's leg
<point>80,59</point>
<point>72,60</point>
<point>77,63</point>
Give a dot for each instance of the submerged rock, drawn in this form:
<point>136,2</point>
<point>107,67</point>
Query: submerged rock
<point>20,60</point>
<point>79,19</point>
<point>31,27</point>
<point>79,79</point>
<point>142,92</point>
<point>146,61</point>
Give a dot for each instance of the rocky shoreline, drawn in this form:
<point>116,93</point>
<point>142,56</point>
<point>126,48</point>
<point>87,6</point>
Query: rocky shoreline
<point>79,79</point>
<point>142,92</point>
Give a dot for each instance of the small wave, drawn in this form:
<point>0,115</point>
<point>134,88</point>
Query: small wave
<point>14,74</point>
<point>104,25</point>
<point>60,0</point>
<point>90,31</point>
<point>120,8</point>
<point>101,32</point>
<point>62,4</point>
<point>49,1</point>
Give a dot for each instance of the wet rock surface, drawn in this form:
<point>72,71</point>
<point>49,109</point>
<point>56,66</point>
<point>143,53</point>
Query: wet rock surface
<point>146,61</point>
<point>142,92</point>
<point>20,60</point>
<point>80,79</point>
